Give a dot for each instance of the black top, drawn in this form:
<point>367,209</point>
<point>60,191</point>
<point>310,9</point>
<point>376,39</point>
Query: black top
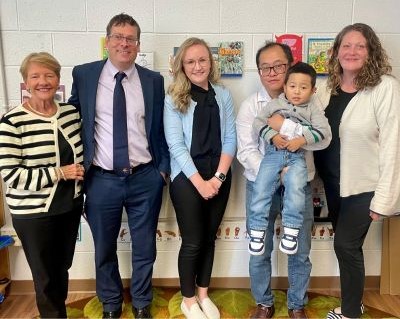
<point>63,200</point>
<point>206,136</point>
<point>206,144</point>
<point>327,161</point>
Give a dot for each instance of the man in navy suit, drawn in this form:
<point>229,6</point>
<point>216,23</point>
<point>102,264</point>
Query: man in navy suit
<point>139,187</point>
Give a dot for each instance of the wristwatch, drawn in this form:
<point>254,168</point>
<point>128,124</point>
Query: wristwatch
<point>220,176</point>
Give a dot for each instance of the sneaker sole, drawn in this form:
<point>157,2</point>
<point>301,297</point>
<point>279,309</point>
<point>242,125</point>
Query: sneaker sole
<point>256,253</point>
<point>287,251</point>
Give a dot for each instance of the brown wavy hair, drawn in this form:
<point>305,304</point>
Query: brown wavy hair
<point>179,89</point>
<point>376,65</point>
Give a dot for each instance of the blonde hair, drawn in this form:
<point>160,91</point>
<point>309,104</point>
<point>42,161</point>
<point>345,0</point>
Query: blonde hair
<point>43,58</point>
<point>376,65</point>
<point>179,89</point>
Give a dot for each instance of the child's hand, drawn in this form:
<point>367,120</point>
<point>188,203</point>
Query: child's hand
<point>279,141</point>
<point>296,143</point>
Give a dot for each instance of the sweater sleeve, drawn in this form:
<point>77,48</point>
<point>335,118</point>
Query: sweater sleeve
<point>15,174</point>
<point>174,135</point>
<point>260,125</point>
<point>318,130</point>
<point>386,200</point>
<point>229,142</point>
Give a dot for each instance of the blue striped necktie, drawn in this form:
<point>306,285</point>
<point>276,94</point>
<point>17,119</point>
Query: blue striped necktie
<point>120,130</point>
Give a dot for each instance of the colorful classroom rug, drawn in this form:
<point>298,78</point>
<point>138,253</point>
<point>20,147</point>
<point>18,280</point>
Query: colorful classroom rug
<point>232,303</point>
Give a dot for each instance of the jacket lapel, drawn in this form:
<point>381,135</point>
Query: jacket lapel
<point>148,89</point>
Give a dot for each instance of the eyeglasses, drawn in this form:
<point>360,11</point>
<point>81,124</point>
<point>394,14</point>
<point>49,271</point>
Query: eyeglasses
<point>120,38</point>
<point>278,69</point>
<point>192,63</point>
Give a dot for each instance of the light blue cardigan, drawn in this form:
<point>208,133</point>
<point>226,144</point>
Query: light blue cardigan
<point>178,129</point>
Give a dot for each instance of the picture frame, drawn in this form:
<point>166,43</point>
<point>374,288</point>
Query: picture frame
<point>319,50</point>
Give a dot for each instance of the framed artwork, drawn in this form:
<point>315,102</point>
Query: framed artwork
<point>295,42</point>
<point>318,54</point>
<point>230,58</point>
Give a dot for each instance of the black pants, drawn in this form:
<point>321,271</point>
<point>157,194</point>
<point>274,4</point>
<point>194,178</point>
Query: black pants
<point>351,229</point>
<point>49,246</point>
<point>198,220</point>
<point>333,199</point>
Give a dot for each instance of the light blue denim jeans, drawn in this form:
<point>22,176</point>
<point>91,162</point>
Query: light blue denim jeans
<point>299,265</point>
<point>267,183</point>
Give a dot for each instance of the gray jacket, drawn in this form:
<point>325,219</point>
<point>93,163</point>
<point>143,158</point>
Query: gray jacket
<point>311,117</point>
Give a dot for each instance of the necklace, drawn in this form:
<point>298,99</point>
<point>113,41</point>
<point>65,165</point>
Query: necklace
<point>36,111</point>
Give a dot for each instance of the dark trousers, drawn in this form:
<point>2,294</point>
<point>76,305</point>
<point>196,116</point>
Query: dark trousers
<point>49,246</point>
<point>351,229</point>
<point>333,199</point>
<point>106,196</point>
<point>198,220</point>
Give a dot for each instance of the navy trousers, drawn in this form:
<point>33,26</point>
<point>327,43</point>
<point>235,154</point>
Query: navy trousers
<point>106,196</point>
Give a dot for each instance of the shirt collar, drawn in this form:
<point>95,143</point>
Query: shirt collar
<point>263,95</point>
<point>113,70</point>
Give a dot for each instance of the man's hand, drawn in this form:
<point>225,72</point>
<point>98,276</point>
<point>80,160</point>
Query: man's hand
<point>275,122</point>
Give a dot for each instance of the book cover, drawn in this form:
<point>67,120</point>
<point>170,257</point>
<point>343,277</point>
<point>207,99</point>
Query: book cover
<point>318,54</point>
<point>295,42</point>
<point>230,58</point>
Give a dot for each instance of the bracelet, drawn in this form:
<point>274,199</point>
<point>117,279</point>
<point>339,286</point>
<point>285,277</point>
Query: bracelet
<point>62,174</point>
<point>57,174</point>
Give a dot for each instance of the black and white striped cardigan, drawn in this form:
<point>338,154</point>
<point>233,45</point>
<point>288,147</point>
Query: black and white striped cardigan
<point>29,155</point>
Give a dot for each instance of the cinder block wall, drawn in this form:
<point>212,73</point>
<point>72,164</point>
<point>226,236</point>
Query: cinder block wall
<point>71,31</point>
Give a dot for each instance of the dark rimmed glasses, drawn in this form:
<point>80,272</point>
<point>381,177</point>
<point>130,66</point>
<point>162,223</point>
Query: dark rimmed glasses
<point>278,69</point>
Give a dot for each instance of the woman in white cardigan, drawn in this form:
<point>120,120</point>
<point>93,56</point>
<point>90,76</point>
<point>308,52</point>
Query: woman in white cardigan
<point>362,104</point>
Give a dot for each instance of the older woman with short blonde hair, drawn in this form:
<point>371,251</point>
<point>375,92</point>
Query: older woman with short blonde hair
<point>40,143</point>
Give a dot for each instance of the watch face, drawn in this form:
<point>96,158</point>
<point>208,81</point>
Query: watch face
<point>221,176</point>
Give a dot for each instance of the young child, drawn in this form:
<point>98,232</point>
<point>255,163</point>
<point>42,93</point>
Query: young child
<point>301,123</point>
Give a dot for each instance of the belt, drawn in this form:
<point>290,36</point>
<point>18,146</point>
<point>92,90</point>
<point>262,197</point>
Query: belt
<point>125,171</point>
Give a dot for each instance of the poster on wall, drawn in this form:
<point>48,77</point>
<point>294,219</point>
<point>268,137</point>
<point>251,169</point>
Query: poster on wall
<point>295,42</point>
<point>144,59</point>
<point>59,97</point>
<point>230,58</point>
<point>318,54</point>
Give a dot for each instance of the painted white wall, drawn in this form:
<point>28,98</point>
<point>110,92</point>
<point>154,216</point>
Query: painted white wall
<point>71,30</point>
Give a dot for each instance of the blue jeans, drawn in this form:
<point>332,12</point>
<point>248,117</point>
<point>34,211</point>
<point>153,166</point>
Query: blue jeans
<point>267,183</point>
<point>299,265</point>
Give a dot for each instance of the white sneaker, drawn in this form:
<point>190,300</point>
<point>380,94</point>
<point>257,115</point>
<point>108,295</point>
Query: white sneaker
<point>194,312</point>
<point>256,244</point>
<point>289,243</point>
<point>209,308</point>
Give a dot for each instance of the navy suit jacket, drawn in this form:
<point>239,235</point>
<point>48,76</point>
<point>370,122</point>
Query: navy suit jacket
<point>83,96</point>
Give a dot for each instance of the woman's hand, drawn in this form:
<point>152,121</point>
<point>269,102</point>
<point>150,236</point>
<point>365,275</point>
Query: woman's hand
<point>72,171</point>
<point>216,183</point>
<point>373,215</point>
<point>207,189</point>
